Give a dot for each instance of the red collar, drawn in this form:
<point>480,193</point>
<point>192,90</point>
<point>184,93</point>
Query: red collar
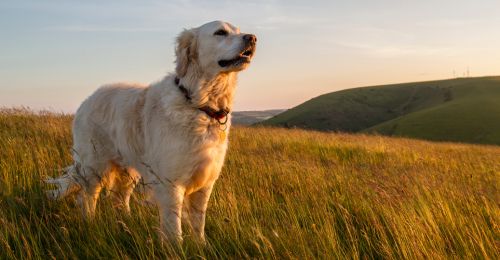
<point>218,115</point>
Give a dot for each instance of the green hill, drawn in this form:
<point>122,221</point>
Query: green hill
<point>464,110</point>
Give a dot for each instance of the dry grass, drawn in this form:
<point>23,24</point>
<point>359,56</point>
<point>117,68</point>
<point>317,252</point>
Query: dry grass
<point>282,194</point>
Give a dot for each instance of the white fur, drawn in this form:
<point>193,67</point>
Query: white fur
<point>124,132</point>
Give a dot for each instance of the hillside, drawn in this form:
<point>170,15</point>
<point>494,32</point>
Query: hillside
<point>464,110</point>
<point>282,194</point>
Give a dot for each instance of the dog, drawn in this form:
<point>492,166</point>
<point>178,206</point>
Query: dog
<point>172,134</point>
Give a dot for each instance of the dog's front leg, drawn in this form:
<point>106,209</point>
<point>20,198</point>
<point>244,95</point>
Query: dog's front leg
<point>196,204</point>
<point>170,198</point>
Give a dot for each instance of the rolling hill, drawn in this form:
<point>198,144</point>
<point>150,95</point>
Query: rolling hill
<point>462,110</point>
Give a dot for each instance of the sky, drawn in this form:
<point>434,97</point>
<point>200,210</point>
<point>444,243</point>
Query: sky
<point>53,54</point>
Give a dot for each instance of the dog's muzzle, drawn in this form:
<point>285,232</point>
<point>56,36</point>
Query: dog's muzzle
<point>245,56</point>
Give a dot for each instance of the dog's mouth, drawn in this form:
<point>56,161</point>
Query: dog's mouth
<point>245,56</point>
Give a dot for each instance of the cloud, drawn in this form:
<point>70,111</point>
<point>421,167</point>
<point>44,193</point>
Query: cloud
<point>449,23</point>
<point>391,50</point>
<point>102,29</point>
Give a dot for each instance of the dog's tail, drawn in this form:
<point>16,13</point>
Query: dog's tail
<point>65,184</point>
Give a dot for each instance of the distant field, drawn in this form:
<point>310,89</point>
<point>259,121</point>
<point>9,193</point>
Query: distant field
<point>461,110</point>
<point>282,194</point>
<point>252,117</point>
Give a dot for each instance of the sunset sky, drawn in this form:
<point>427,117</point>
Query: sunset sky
<point>53,54</point>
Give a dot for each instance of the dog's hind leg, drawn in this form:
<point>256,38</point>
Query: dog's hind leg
<point>121,188</point>
<point>92,180</point>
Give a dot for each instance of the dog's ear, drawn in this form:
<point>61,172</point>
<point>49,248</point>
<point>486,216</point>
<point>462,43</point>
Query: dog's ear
<point>186,51</point>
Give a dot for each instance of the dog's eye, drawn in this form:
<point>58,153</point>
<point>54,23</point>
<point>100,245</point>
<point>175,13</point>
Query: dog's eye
<point>221,32</point>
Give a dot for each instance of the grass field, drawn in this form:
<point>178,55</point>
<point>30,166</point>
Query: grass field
<point>459,110</point>
<point>282,194</point>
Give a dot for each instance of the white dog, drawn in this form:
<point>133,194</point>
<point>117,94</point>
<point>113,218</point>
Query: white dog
<point>172,133</point>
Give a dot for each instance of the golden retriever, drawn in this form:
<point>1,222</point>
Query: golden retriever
<point>172,134</point>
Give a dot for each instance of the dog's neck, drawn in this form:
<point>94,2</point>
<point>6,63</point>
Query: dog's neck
<point>216,92</point>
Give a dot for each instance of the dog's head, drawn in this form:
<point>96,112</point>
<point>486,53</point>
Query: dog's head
<point>214,48</point>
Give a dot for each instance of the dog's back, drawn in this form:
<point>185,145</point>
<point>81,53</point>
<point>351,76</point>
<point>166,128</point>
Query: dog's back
<point>111,119</point>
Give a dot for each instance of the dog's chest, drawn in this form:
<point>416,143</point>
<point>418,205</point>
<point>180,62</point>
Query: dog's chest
<point>207,162</point>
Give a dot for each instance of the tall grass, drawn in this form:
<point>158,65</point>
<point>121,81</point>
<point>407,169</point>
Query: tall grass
<point>282,194</point>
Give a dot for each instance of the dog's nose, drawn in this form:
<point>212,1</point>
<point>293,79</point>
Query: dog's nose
<point>250,38</point>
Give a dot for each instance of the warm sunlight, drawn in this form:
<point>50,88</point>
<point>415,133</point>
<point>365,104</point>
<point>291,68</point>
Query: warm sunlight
<point>266,129</point>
